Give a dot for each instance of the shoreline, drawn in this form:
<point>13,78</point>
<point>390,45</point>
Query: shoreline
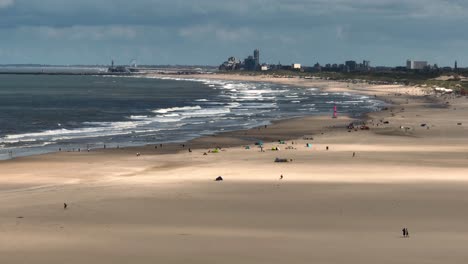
<point>394,95</point>
<point>238,138</point>
<point>322,85</point>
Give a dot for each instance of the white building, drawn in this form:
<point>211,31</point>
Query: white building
<point>264,68</point>
<point>296,66</point>
<point>416,65</point>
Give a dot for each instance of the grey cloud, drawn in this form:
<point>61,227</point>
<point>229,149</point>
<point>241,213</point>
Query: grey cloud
<point>6,3</point>
<point>385,31</point>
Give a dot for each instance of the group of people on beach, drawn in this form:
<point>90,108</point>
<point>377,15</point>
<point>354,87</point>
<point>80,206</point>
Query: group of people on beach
<point>405,232</point>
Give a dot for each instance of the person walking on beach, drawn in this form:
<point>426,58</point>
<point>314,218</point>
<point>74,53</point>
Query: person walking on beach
<point>354,154</point>
<point>65,205</point>
<point>281,177</point>
<point>404,232</point>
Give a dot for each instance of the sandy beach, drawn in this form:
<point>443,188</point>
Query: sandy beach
<point>410,169</point>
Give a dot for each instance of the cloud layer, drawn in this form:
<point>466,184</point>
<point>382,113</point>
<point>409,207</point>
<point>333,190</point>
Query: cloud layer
<point>207,31</point>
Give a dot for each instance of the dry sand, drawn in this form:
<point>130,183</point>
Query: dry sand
<point>164,207</point>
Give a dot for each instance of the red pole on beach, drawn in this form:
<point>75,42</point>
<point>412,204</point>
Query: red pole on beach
<point>335,112</point>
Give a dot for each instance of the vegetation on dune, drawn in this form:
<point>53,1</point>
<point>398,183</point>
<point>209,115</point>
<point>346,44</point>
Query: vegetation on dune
<point>456,81</point>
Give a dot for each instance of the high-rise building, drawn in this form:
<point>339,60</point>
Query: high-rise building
<point>257,58</point>
<point>456,66</point>
<point>250,63</point>
<point>416,65</point>
<point>351,65</point>
<point>366,64</point>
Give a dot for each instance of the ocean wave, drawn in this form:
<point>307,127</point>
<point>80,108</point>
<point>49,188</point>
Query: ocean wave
<point>258,106</point>
<point>170,115</point>
<point>259,92</point>
<point>234,105</point>
<point>174,109</point>
<point>347,102</point>
<point>97,129</point>
<point>138,117</point>
<point>207,112</point>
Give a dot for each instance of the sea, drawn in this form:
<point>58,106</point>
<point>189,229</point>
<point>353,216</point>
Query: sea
<point>45,113</point>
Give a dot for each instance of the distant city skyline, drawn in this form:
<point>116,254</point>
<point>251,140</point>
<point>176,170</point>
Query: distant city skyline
<point>206,32</point>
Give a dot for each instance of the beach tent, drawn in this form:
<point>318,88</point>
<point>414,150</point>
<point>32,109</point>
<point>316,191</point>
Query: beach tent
<point>308,145</point>
<point>215,151</point>
<point>281,142</point>
<point>259,143</point>
<point>281,160</point>
<point>247,147</point>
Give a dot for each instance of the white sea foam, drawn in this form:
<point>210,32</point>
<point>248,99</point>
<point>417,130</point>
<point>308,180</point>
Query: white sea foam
<point>174,109</point>
<point>258,106</point>
<point>138,117</point>
<point>207,112</point>
<point>353,102</point>
<point>97,129</point>
<point>234,105</point>
<point>171,115</point>
<point>264,91</point>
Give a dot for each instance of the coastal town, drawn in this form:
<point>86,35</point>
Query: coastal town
<point>419,73</point>
<point>253,63</point>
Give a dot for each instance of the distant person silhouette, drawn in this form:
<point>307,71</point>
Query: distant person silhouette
<point>65,205</point>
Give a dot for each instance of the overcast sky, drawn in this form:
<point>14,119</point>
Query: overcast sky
<point>386,32</point>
